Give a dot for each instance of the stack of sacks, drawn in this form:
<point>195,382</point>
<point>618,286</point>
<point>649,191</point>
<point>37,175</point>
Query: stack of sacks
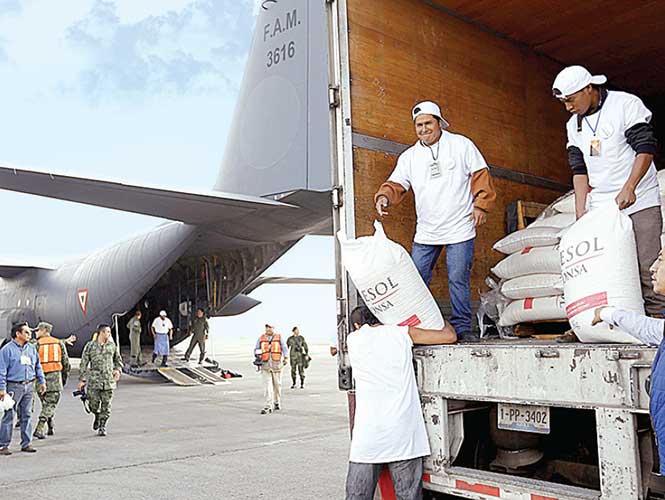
<point>532,270</point>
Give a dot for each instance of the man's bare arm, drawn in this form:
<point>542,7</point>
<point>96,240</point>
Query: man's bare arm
<point>581,186</point>
<point>428,337</point>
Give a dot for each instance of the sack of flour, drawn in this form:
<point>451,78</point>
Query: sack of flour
<point>531,260</point>
<point>556,220</point>
<point>533,309</point>
<point>388,281</point>
<point>533,285</point>
<point>529,237</point>
<point>599,267</point>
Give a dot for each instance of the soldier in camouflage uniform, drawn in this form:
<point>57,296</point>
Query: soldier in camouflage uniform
<point>100,370</point>
<point>199,330</point>
<point>299,354</point>
<point>55,363</point>
<point>134,327</point>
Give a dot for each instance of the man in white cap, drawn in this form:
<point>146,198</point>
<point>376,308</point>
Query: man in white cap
<point>162,332</point>
<point>611,145</point>
<point>453,192</point>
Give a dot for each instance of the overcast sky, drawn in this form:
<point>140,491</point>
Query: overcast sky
<point>140,91</point>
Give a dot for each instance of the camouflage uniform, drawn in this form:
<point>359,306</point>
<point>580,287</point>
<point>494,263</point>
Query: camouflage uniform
<point>55,383</point>
<point>97,365</point>
<point>299,353</point>
<point>134,327</point>
<point>200,330</point>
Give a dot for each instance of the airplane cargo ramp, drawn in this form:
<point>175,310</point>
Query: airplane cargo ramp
<point>189,375</point>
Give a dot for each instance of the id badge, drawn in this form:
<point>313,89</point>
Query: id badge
<point>594,149</point>
<point>25,360</point>
<point>434,170</point>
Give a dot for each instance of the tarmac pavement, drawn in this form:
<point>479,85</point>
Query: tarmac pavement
<point>170,442</point>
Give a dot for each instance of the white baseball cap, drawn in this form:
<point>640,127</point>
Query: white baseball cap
<point>573,79</point>
<point>428,108</point>
<point>162,313</point>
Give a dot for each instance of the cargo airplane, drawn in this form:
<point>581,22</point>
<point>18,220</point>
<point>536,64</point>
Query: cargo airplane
<point>272,189</point>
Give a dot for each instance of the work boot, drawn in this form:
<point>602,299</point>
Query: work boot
<point>467,338</point>
<point>276,406</point>
<point>102,431</point>
<point>5,451</point>
<point>265,411</point>
<point>50,426</point>
<point>28,449</point>
<point>39,430</point>
<point>95,424</point>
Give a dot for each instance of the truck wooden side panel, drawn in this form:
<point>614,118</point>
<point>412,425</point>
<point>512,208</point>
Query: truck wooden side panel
<point>492,90</point>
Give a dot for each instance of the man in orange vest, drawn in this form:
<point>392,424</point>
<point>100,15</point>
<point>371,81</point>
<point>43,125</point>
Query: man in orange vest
<point>273,353</point>
<point>55,363</point>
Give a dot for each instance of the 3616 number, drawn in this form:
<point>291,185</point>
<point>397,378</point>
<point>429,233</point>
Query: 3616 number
<point>280,54</point>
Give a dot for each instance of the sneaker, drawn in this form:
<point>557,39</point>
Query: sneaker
<point>265,411</point>
<point>5,451</point>
<point>101,432</point>
<point>302,386</point>
<point>276,406</point>
<point>39,434</point>
<point>293,386</point>
<point>28,449</point>
<point>18,424</point>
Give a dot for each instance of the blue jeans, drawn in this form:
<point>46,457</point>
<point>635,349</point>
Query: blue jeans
<point>22,394</point>
<point>459,257</point>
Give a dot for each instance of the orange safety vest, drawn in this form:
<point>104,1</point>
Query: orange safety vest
<point>50,354</point>
<point>271,349</point>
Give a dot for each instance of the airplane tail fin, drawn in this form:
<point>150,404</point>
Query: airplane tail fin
<point>279,140</point>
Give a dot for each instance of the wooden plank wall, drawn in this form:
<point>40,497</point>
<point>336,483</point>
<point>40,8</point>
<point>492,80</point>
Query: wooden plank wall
<point>491,90</point>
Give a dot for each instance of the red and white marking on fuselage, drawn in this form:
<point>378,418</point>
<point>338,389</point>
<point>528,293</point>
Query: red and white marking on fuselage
<point>82,295</point>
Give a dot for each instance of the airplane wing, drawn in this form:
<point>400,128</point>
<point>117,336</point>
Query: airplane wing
<point>189,207</point>
<point>11,269</point>
<point>243,302</point>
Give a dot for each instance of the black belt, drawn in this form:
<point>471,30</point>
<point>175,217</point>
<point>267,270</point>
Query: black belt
<point>24,382</point>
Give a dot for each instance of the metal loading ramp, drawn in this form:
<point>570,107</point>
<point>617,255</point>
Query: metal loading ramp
<point>177,377</point>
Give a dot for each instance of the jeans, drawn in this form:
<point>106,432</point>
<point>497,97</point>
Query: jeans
<point>22,394</point>
<point>407,477</point>
<point>459,257</point>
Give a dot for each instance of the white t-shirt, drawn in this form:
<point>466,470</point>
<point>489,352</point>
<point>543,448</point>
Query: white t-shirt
<point>389,424</point>
<point>162,325</point>
<point>444,202</point>
<point>609,170</point>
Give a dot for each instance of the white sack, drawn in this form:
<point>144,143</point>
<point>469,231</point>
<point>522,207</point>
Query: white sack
<point>557,220</point>
<point>388,281</point>
<point>566,205</point>
<point>532,260</point>
<point>599,268</point>
<point>533,309</point>
<point>529,237</point>
<point>534,285</point>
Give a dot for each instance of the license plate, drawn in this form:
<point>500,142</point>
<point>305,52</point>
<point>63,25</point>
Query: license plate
<point>524,418</point>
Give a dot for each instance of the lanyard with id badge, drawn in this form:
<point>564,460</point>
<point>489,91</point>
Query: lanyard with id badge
<point>594,144</point>
<point>435,169</point>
